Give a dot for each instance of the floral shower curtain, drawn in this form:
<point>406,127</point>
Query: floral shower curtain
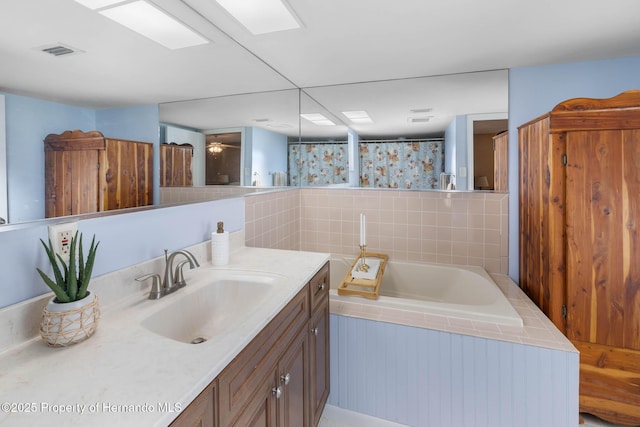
<point>318,164</point>
<point>413,164</point>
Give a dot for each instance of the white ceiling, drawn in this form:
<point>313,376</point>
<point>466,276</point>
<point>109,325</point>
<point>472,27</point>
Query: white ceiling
<point>341,42</point>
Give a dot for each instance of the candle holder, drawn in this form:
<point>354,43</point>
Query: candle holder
<point>363,267</point>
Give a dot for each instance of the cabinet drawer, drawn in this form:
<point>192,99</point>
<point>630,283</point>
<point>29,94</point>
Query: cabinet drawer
<point>244,375</point>
<point>319,287</point>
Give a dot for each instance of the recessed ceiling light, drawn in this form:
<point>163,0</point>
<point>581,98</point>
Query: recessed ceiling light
<point>98,4</point>
<point>358,117</point>
<point>261,16</point>
<point>317,119</point>
<point>153,23</point>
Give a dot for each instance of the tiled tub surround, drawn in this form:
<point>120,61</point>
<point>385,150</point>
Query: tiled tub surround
<point>124,375</point>
<point>464,228</point>
<point>272,219</point>
<point>421,369</point>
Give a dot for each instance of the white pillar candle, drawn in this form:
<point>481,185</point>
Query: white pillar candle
<point>363,230</point>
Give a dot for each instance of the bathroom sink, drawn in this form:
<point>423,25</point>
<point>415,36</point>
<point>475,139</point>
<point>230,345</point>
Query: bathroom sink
<point>207,306</point>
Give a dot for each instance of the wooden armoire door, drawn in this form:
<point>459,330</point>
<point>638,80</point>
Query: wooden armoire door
<point>72,178</point>
<point>603,268</point>
<point>603,253</point>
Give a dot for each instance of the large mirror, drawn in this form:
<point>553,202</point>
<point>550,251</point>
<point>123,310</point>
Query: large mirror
<point>325,139</point>
<point>231,83</point>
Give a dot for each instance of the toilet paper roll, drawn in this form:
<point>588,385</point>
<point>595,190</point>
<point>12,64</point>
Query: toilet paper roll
<point>220,248</point>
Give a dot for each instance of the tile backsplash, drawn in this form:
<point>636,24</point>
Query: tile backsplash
<point>420,226</point>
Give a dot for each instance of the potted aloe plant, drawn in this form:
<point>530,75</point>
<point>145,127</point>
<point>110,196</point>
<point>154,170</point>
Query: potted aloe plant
<point>71,316</point>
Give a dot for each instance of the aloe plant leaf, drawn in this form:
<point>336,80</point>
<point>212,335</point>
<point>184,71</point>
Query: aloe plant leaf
<point>72,279</point>
<point>59,280</point>
<point>82,291</point>
<point>61,295</point>
<point>88,269</point>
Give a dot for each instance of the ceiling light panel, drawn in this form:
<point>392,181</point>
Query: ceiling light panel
<point>153,23</point>
<point>359,117</point>
<point>98,4</point>
<point>261,16</point>
<point>317,119</point>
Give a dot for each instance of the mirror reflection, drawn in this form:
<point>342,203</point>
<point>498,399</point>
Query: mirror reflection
<point>414,133</point>
<point>238,140</point>
<point>271,128</point>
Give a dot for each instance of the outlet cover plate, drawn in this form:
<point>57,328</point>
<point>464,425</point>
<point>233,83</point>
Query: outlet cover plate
<point>60,235</point>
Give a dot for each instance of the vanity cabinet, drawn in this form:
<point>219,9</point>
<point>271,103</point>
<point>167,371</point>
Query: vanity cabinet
<point>86,172</point>
<point>580,241</point>
<point>281,378</point>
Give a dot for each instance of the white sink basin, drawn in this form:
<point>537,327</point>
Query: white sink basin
<point>211,305</point>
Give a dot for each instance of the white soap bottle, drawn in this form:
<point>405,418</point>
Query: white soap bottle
<point>220,246</point>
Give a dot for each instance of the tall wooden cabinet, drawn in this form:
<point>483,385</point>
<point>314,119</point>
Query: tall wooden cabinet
<point>500,162</point>
<point>175,165</point>
<point>86,172</point>
<point>580,241</point>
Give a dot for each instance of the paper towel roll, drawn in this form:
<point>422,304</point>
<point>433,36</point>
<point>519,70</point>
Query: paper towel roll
<point>220,248</point>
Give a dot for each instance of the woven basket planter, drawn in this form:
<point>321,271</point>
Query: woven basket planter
<point>65,324</point>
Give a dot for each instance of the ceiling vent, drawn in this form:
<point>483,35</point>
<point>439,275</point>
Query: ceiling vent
<point>419,119</point>
<point>59,49</point>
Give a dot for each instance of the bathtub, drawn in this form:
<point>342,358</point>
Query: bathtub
<point>464,292</point>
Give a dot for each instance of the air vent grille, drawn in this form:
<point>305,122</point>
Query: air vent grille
<point>59,49</point>
<point>418,119</point>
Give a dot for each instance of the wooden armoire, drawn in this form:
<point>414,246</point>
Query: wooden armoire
<point>86,172</point>
<point>500,162</point>
<point>579,218</point>
<point>175,165</point>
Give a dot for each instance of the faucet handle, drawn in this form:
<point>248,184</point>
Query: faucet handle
<point>156,292</point>
<point>178,277</point>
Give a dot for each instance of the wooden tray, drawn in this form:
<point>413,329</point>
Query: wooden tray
<point>367,288</point>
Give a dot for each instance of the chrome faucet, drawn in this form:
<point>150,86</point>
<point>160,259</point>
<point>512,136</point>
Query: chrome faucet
<point>173,279</point>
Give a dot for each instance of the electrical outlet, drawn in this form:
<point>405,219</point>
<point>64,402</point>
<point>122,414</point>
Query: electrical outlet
<point>61,235</point>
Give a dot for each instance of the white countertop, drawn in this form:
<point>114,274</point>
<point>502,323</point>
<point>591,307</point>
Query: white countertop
<point>125,375</point>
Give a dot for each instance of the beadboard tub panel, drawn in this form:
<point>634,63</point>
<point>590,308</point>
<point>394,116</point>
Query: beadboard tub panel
<point>423,377</point>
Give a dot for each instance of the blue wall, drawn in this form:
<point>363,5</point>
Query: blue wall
<point>125,239</point>
<point>269,154</point>
<point>30,120</point>
<point>455,150</point>
<point>533,91</point>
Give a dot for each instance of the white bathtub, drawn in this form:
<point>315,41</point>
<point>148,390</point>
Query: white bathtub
<point>463,292</point>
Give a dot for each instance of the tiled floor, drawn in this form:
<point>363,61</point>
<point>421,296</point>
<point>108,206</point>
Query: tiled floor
<point>338,417</point>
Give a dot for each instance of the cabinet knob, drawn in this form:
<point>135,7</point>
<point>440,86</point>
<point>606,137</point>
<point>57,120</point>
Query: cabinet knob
<point>277,392</point>
<point>314,331</point>
<point>321,286</point>
<point>284,379</point>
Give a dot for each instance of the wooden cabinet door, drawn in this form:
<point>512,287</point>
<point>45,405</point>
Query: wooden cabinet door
<point>127,174</point>
<point>261,409</point>
<point>201,412</point>
<point>175,165</point>
<point>293,410</point>
<point>603,244</point>
<point>71,182</point>
<point>500,162</point>
<point>319,362</point>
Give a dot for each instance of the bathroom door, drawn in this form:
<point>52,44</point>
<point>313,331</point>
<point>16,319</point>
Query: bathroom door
<point>603,237</point>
